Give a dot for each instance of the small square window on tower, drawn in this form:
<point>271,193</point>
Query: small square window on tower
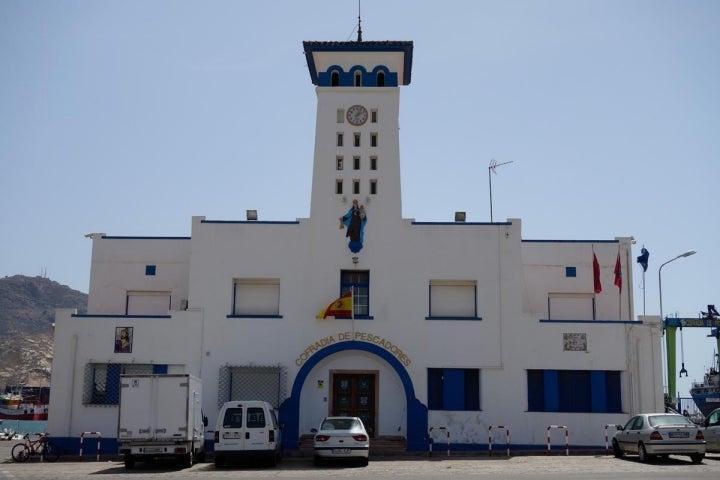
<point>150,270</point>
<point>340,115</point>
<point>339,162</point>
<point>373,163</point>
<point>570,272</point>
<point>357,139</point>
<point>373,139</point>
<point>339,187</point>
<point>373,116</point>
<point>339,139</point>
<point>373,187</point>
<point>356,187</point>
<point>356,163</point>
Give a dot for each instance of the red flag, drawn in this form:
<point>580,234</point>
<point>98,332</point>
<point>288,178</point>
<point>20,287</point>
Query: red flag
<point>618,273</point>
<point>341,307</point>
<point>596,274</point>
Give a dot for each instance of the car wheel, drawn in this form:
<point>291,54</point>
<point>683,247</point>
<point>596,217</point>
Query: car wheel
<point>219,461</point>
<point>364,461</point>
<point>317,461</point>
<point>129,462</point>
<point>616,449</point>
<point>642,453</point>
<point>697,457</point>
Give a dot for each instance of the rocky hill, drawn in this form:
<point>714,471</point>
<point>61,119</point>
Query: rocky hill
<point>27,311</point>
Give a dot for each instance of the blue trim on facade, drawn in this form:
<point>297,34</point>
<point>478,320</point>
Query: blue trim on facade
<point>570,241</point>
<point>347,79</point>
<point>260,222</point>
<point>382,46</point>
<point>80,315</point>
<point>109,237</point>
<point>631,322</point>
<point>472,319</point>
<point>417,425</point>
<point>253,316</point>
<point>460,224</point>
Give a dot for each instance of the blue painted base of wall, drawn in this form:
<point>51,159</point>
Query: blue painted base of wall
<point>70,446</point>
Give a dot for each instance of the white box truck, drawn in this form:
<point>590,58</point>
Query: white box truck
<point>161,417</point>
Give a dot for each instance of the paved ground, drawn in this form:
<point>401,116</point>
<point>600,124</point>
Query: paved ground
<point>539,467</point>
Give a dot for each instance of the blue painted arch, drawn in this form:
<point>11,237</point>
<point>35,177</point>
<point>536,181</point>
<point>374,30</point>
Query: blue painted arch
<point>417,418</point>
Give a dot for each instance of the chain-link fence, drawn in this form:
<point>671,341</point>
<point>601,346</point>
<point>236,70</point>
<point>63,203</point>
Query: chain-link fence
<point>267,383</point>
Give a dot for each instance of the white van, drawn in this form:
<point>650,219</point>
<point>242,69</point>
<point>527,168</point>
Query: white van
<point>247,430</point>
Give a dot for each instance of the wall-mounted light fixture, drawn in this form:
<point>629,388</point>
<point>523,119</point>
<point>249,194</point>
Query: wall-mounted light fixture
<point>251,214</point>
<point>459,216</point>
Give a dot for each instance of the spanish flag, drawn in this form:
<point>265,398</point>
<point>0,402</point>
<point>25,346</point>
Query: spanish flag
<point>341,307</point>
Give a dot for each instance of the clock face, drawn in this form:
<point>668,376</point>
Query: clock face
<point>357,115</point>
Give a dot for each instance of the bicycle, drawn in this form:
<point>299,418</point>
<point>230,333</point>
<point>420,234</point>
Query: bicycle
<point>41,447</point>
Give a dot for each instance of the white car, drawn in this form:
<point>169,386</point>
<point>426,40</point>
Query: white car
<point>649,435</point>
<point>341,438</point>
<point>712,431</point>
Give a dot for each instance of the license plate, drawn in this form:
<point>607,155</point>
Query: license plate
<point>678,434</point>
<point>341,451</point>
<point>153,449</point>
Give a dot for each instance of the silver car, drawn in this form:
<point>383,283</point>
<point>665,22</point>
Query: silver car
<point>712,431</point>
<point>660,434</point>
<point>341,438</point>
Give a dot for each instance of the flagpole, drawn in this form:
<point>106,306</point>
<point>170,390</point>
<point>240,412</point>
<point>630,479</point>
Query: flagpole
<point>352,311</point>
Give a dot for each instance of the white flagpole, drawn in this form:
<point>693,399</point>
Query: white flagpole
<point>352,311</point>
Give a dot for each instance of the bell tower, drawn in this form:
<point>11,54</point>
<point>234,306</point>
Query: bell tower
<point>357,155</point>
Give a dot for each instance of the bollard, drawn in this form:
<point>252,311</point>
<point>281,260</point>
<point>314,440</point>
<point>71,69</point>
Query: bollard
<point>99,437</point>
<point>507,439</point>
<point>430,441</point>
<point>567,445</point>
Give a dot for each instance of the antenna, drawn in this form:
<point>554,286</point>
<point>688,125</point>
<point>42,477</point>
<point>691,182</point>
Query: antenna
<point>359,24</point>
<point>491,168</point>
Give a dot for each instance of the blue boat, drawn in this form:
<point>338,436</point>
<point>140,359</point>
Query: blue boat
<point>706,394</point>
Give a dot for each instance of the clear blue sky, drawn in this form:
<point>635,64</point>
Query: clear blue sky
<point>129,117</point>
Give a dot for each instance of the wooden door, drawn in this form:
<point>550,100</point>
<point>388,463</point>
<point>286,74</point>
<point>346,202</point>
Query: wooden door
<point>354,394</point>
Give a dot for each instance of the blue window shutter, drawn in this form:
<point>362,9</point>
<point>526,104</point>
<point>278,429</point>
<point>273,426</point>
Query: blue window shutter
<point>160,369</point>
<point>435,388</point>
<point>613,392</point>
<point>454,389</point>
<point>536,391</point>
<point>598,391</point>
<point>551,394</point>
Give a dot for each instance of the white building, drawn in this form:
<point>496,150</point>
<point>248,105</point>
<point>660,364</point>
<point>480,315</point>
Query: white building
<point>457,325</point>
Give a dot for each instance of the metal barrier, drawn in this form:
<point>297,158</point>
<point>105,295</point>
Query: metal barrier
<point>99,438</point>
<point>507,438</point>
<point>430,439</point>
<point>562,427</point>
<point>607,449</point>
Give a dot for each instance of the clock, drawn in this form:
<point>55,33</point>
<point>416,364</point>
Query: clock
<point>357,115</point>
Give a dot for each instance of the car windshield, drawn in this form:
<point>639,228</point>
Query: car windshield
<point>664,420</point>
<point>340,424</point>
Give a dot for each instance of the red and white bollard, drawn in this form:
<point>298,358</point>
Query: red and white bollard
<point>567,444</point>
<point>607,449</point>
<point>430,440</point>
<point>507,438</point>
<point>99,438</point>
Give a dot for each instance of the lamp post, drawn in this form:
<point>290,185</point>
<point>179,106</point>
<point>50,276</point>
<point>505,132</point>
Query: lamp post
<point>670,338</point>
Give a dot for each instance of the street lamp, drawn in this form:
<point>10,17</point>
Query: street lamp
<point>670,342</point>
<point>685,254</point>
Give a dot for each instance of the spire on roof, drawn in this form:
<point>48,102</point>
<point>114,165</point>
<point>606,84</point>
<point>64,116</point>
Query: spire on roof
<point>359,24</point>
